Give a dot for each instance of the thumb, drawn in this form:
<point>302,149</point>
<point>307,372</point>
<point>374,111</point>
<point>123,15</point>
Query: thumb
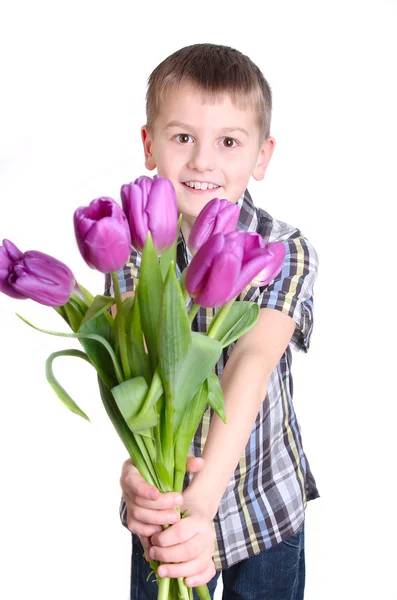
<point>194,464</point>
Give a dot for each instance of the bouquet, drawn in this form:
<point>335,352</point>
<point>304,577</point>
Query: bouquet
<point>155,375</point>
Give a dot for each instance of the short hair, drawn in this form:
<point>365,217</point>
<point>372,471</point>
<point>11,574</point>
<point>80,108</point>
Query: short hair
<point>214,70</point>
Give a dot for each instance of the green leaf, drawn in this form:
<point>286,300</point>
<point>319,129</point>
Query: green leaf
<point>74,314</point>
<point>150,289</point>
<point>99,306</point>
<point>197,366</point>
<point>137,355</point>
<point>174,335</point>
<point>103,356</point>
<point>103,359</point>
<point>240,318</point>
<point>188,427</point>
<point>88,297</point>
<point>128,306</point>
<point>126,436</point>
<point>170,255</point>
<point>136,402</point>
<point>215,396</point>
<point>56,386</point>
<point>174,341</point>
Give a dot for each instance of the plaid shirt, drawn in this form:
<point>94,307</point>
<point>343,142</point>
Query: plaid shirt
<point>264,502</point>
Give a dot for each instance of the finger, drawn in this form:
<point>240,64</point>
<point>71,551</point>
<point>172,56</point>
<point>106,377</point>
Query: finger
<point>191,568</point>
<point>182,531</point>
<point>153,517</point>
<point>194,464</point>
<point>142,529</point>
<point>146,545</point>
<point>202,578</point>
<point>193,548</point>
<point>165,501</point>
<point>132,482</point>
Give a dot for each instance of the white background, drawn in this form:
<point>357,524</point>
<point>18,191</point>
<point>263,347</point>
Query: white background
<point>73,79</point>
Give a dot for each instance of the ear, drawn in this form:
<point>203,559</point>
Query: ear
<point>264,157</point>
<point>150,162</point>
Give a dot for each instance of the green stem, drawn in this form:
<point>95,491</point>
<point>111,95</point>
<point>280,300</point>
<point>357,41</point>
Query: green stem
<point>121,327</point>
<point>168,447</point>
<point>203,592</point>
<point>126,436</point>
<point>141,443</point>
<point>218,319</point>
<point>183,590</point>
<point>164,588</point>
<point>193,312</point>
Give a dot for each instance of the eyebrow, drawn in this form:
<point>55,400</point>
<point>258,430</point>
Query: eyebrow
<point>223,129</point>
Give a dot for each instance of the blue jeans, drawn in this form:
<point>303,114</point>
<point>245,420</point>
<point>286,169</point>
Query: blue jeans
<point>277,574</point>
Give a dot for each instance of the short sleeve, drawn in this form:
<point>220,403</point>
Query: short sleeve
<point>292,290</point>
<point>128,275</point>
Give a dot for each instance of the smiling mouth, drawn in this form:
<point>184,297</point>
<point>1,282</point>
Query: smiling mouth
<point>201,185</point>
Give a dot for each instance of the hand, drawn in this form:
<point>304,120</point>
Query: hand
<point>147,508</point>
<point>186,548</point>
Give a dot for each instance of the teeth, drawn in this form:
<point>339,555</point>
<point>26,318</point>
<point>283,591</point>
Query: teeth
<point>201,185</point>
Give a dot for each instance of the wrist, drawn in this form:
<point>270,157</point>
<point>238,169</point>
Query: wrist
<point>195,502</point>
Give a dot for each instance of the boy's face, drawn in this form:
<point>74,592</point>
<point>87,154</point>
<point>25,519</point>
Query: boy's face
<point>208,150</point>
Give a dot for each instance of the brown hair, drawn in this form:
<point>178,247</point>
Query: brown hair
<point>214,70</point>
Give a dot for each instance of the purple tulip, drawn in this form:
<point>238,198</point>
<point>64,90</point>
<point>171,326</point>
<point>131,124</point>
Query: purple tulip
<point>34,275</point>
<point>226,264</point>
<point>103,235</point>
<point>218,216</point>
<point>150,205</point>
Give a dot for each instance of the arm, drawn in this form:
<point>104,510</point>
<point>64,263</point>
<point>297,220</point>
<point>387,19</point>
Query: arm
<point>190,542</point>
<point>244,384</point>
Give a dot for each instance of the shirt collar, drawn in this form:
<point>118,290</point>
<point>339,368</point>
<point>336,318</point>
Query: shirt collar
<point>248,220</point>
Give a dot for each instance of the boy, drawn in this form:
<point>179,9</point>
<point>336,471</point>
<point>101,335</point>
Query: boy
<point>208,130</point>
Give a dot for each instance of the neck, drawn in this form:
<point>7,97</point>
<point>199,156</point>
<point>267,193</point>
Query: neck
<point>186,228</point>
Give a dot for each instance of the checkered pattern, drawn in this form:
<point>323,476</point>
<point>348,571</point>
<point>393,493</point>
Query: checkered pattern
<point>265,500</point>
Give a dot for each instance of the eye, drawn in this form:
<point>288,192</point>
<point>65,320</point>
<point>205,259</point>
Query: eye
<point>183,138</point>
<point>229,142</point>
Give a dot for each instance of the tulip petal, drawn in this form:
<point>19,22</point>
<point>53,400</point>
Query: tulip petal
<point>204,225</point>
<point>82,225</point>
<point>13,252</point>
<point>254,241</point>
<point>44,264</point>
<point>221,279</point>
<point>218,216</point>
<point>228,217</point>
<point>202,262</point>
<point>276,252</point>
<point>43,291</point>
<point>133,204</point>
<point>162,212</point>
<point>5,260</point>
<point>145,183</point>
<point>103,235</point>
<point>107,245</point>
<point>269,263</point>
<point>7,289</point>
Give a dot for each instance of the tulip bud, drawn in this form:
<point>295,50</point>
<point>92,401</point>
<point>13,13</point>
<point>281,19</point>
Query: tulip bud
<point>275,252</point>
<point>150,205</point>
<point>226,264</point>
<point>34,275</point>
<point>218,216</point>
<point>103,235</point>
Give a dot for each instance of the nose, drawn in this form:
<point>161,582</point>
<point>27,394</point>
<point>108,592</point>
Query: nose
<point>202,158</point>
